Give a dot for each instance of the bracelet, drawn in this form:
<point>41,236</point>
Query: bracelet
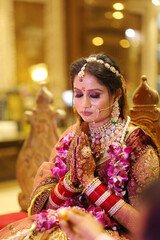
<point>92,187</point>
<point>54,200</point>
<point>65,192</point>
<point>116,207</point>
<point>57,193</point>
<point>99,194</point>
<point>53,203</point>
<point>102,198</point>
<point>90,184</point>
<point>68,184</point>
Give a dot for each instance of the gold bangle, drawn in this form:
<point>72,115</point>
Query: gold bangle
<point>70,185</point>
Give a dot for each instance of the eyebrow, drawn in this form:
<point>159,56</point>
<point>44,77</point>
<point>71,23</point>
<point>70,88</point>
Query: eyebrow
<point>94,89</point>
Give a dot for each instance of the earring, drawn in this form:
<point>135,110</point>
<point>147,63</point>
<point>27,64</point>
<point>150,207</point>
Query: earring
<point>74,109</point>
<point>115,112</point>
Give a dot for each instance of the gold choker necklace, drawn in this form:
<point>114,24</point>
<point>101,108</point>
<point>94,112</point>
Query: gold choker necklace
<point>102,137</point>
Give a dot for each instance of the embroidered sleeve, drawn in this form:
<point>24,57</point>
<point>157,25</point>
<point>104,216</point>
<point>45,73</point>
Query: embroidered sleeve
<point>144,171</point>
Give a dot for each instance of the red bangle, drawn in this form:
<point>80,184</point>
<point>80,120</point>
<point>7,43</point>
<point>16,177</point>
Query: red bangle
<point>54,197</point>
<point>59,194</point>
<point>63,191</point>
<point>97,192</point>
<point>110,202</point>
<point>54,200</point>
<point>101,196</point>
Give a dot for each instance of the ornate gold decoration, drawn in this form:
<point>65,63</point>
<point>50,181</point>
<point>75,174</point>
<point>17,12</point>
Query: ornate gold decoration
<point>86,152</point>
<point>145,110</point>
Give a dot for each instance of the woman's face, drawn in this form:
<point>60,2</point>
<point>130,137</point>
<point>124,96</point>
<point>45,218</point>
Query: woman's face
<point>92,100</point>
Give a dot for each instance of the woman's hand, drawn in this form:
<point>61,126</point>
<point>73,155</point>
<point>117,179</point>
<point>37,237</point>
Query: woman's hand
<point>73,171</point>
<point>80,225</point>
<point>85,164</point>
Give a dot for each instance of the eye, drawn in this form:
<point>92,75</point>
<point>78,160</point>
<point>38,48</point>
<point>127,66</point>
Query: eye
<point>78,95</point>
<point>95,95</point>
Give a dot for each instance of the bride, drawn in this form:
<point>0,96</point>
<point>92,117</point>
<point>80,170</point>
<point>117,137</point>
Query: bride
<point>101,164</point>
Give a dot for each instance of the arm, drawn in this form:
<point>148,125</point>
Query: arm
<point>122,212</point>
<point>99,194</point>
<point>62,192</point>
<point>146,170</point>
<point>45,181</point>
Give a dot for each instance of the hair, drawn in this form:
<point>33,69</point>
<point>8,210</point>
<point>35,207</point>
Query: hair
<point>104,76</point>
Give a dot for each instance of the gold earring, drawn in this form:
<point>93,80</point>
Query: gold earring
<point>74,110</point>
<point>115,112</point>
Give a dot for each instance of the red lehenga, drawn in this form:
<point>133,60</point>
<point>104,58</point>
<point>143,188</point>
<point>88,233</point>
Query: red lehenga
<point>143,169</point>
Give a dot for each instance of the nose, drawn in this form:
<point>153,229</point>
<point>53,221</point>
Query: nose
<point>86,102</point>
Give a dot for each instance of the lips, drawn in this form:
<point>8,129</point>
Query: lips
<point>86,113</point>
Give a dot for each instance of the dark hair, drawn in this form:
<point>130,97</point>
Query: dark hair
<point>105,76</point>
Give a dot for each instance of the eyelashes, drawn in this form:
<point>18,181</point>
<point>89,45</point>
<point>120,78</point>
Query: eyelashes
<point>91,96</point>
<point>78,95</point>
<point>95,96</point>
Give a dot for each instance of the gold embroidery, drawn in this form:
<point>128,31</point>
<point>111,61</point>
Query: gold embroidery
<point>146,170</point>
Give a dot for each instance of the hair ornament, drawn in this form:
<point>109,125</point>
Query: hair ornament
<point>81,73</point>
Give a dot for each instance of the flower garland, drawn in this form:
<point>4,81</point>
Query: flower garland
<point>117,168</point>
<point>60,167</point>
<point>47,219</point>
<point>117,172</point>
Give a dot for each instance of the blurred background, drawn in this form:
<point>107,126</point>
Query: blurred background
<point>40,39</point>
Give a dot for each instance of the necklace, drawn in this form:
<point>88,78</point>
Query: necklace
<point>102,137</point>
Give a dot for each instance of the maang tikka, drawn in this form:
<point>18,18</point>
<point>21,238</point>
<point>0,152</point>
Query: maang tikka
<point>115,112</point>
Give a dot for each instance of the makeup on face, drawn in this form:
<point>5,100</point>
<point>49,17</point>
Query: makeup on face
<point>92,99</point>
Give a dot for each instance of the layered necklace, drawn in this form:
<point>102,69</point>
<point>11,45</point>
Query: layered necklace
<point>102,137</point>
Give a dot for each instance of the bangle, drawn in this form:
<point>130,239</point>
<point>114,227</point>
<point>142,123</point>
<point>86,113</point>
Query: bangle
<point>116,207</point>
<point>90,184</point>
<point>54,200</point>
<point>92,187</point>
<point>102,198</point>
<point>65,192</point>
<point>58,194</point>
<point>99,194</point>
<point>69,186</point>
<point>53,203</point>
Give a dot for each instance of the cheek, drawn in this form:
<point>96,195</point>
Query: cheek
<point>77,103</point>
<point>104,103</point>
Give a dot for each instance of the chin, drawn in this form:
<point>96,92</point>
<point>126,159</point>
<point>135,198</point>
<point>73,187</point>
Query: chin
<point>85,119</point>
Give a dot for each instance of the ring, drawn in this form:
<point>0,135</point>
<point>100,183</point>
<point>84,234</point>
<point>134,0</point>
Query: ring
<point>86,152</point>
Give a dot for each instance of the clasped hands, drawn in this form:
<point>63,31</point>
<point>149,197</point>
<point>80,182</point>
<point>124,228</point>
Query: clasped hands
<point>82,163</point>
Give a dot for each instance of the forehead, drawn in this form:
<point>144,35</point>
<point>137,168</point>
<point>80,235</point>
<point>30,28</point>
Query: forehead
<point>89,82</point>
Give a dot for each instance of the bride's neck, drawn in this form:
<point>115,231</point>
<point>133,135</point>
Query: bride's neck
<point>99,124</point>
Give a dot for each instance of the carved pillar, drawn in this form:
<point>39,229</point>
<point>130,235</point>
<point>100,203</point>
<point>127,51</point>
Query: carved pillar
<point>145,110</point>
<point>38,145</point>
<point>7,46</point>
